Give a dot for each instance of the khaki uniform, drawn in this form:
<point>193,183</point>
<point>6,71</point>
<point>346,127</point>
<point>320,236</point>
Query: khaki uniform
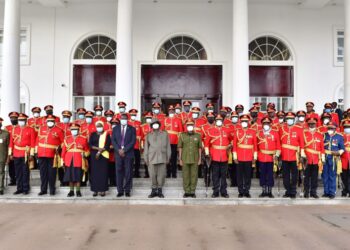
<point>4,148</point>
<point>190,145</point>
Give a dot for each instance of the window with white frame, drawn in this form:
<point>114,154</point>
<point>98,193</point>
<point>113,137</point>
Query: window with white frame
<point>24,44</point>
<point>338,47</point>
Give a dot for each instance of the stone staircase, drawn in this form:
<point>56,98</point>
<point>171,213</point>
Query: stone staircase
<point>173,195</point>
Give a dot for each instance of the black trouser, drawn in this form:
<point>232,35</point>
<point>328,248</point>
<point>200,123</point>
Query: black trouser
<point>219,177</point>
<point>61,177</point>
<point>111,174</point>
<point>257,169</point>
<point>311,179</point>
<point>86,175</point>
<point>345,178</point>
<point>12,172</point>
<point>290,177</point>
<point>232,172</point>
<point>207,174</point>
<point>172,167</point>
<point>137,163</point>
<point>22,174</point>
<point>47,174</point>
<point>124,174</point>
<point>244,176</point>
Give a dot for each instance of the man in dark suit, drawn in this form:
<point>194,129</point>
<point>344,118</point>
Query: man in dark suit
<point>123,139</point>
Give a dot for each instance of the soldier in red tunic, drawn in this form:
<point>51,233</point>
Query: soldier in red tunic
<point>178,110</point>
<point>47,147</point>
<point>328,108</point>
<point>239,109</point>
<point>35,121</point>
<point>244,155</point>
<point>325,119</point>
<point>315,156</point>
<point>75,150</point>
<point>157,114</point>
<point>87,128</point>
<point>186,114</point>
<point>260,115</point>
<point>121,109</point>
<point>137,125</point>
<point>49,111</point>
<point>301,120</point>
<point>81,116</point>
<point>21,150</point>
<point>310,113</point>
<point>12,171</point>
<point>99,115</point>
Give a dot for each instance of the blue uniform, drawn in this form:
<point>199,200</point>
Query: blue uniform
<point>333,143</point>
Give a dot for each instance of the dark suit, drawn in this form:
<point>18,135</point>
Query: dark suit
<point>124,164</point>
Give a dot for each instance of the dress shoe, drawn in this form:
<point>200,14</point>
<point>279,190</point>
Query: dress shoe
<point>286,196</point>
<point>247,195</point>
<point>225,196</point>
<point>42,193</point>
<point>270,195</point>
<point>343,195</point>
<point>315,196</point>
<point>325,195</point>
<point>127,195</point>
<point>26,192</point>
<point>70,194</point>
<point>262,195</point>
<point>120,195</point>
<point>1,192</point>
<point>331,196</point>
<point>12,184</point>
<point>18,192</point>
<point>215,195</point>
<point>306,196</point>
<point>292,196</point>
<point>79,194</point>
<point>160,193</point>
<point>186,195</point>
<point>153,193</point>
<point>94,194</point>
<point>103,194</point>
<point>193,196</point>
<point>240,195</point>
<point>52,193</point>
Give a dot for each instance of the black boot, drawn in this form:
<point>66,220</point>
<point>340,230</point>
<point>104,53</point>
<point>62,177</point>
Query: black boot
<point>160,193</point>
<point>269,192</point>
<point>153,193</point>
<point>263,194</point>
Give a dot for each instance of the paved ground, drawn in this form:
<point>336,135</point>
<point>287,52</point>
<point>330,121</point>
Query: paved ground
<point>83,226</point>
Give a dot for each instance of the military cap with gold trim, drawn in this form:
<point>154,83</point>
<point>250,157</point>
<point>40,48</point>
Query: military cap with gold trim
<point>48,107</point>
<point>234,114</point>
<point>36,110</point>
<point>81,111</point>
<point>22,116</point>
<point>109,112</point>
<point>74,126</point>
<point>245,118</point>
<point>281,114</point>
<point>51,118</point>
<point>187,103</point>
<point>156,105</point>
<point>190,122</point>
<point>301,113</point>
<point>310,104</point>
<point>346,124</point>
<point>219,117</point>
<point>148,115</point>
<point>332,125</point>
<point>209,105</point>
<point>133,111</point>
<point>66,113</point>
<point>14,114</point>
<point>121,104</point>
<point>290,115</point>
<point>171,107</point>
<point>89,114</point>
<point>98,108</point>
<point>195,110</point>
<point>311,120</point>
<point>266,120</point>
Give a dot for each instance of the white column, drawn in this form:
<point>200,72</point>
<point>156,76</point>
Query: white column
<point>347,55</point>
<point>10,83</point>
<point>240,85</point>
<point>124,89</point>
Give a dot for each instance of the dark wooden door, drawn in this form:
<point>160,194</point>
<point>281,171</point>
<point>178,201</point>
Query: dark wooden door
<point>202,83</point>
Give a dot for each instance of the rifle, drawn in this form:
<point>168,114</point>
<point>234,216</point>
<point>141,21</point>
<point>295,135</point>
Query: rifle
<point>302,181</point>
<point>207,163</point>
<point>279,177</point>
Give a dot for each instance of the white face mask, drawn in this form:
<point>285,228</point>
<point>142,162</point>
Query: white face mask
<point>312,129</point>
<point>21,123</point>
<point>244,124</point>
<point>218,123</point>
<point>50,124</point>
<point>99,129</point>
<point>98,113</point>
<point>133,117</point>
<point>290,122</point>
<point>281,120</point>
<point>148,120</point>
<point>266,127</point>
<point>109,118</point>
<point>121,110</point>
<point>190,128</point>
<point>74,132</point>
<point>325,121</point>
<point>234,119</point>
<point>123,122</point>
<point>330,132</point>
<point>177,111</point>
<point>210,111</point>
<point>36,115</point>
<point>89,120</point>
<point>171,115</point>
<point>195,115</point>
<point>301,118</point>
<point>155,126</point>
<point>347,130</point>
<point>81,116</point>
<point>66,120</point>
<point>156,111</point>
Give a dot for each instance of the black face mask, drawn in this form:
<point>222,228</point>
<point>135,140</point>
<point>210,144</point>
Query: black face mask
<point>49,112</point>
<point>14,122</point>
<point>223,114</point>
<point>211,120</point>
<point>254,115</point>
<point>187,109</point>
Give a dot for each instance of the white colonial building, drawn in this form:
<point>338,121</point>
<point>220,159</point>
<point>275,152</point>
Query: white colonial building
<point>74,53</point>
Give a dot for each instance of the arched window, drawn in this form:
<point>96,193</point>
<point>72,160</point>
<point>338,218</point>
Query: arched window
<point>97,47</point>
<point>268,48</point>
<point>182,48</point>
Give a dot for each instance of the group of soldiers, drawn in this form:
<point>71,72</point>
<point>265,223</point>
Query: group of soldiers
<point>204,144</point>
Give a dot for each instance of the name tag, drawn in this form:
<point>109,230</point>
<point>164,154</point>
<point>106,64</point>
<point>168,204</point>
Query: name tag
<point>1,141</point>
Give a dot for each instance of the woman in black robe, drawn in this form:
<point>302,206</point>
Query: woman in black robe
<point>99,142</point>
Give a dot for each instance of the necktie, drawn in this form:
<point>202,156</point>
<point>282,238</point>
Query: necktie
<point>123,137</point>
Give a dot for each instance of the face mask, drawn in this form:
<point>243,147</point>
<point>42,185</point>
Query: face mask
<point>155,126</point>
<point>239,112</point>
<point>171,115</point>
<point>187,109</point>
<point>190,128</point>
<point>98,113</point>
<point>330,132</point>
<point>121,110</point>
<point>234,119</point>
<point>281,120</point>
<point>89,120</point>
<point>210,111</point>
<point>50,124</point>
<point>66,120</point>
<point>223,114</point>
<point>266,127</point>
<point>49,112</point>
<point>36,115</point>
<point>290,122</point>
<point>177,111</point>
<point>133,117</point>
<point>21,123</point>
<point>74,132</point>
<point>327,110</point>
<point>148,120</point>
<point>109,118</point>
<point>99,129</point>
<point>156,111</point>
<point>325,121</point>
<point>211,120</point>
<point>254,115</point>
<point>301,118</point>
<point>218,123</point>
<point>195,116</point>
<point>14,122</point>
<point>244,124</point>
<point>123,122</point>
<point>347,130</point>
<point>81,116</point>
<point>312,129</point>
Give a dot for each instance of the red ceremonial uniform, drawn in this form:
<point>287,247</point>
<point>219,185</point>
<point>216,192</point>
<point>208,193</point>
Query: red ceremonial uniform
<point>292,140</point>
<point>335,118</point>
<point>185,116</point>
<point>137,126</point>
<point>268,145</point>
<point>173,126</point>
<point>48,140</point>
<point>87,129</point>
<point>314,146</point>
<point>315,116</point>
<point>99,119</point>
<point>145,130</point>
<point>161,117</point>
<point>73,150</point>
<point>216,143</point>
<point>35,122</point>
<point>65,128</point>
<point>22,141</point>
<point>302,125</point>
<point>205,128</point>
<point>245,144</point>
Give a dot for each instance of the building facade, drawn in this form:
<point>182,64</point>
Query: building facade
<point>79,53</point>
